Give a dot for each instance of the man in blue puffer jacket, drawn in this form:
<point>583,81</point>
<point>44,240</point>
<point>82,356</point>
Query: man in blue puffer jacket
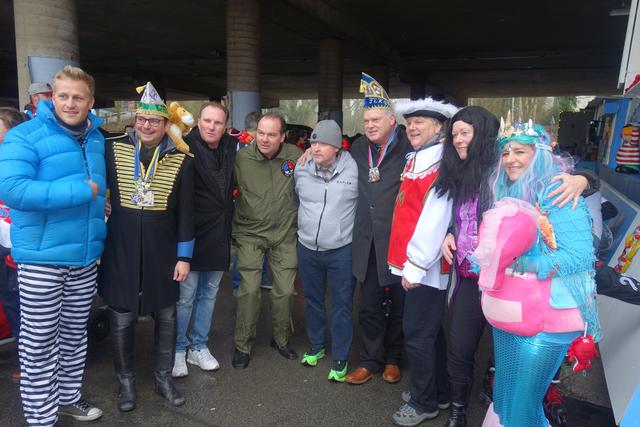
<point>52,176</point>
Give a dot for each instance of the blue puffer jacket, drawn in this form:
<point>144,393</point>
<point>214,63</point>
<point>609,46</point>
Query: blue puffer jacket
<point>43,174</point>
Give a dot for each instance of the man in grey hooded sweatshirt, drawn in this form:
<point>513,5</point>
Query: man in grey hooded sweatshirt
<point>327,188</point>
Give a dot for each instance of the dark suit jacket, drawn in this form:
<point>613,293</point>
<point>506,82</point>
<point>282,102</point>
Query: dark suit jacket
<point>376,201</point>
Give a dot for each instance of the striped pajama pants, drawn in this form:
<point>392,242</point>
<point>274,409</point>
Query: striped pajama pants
<point>55,302</point>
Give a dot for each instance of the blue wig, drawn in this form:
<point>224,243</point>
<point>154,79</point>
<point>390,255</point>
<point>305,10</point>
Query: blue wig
<point>532,186</point>
<point>545,165</point>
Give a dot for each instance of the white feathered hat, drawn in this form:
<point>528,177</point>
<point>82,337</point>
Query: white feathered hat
<point>427,107</point>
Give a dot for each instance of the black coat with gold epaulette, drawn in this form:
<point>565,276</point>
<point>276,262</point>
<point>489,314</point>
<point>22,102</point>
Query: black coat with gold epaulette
<point>140,253</point>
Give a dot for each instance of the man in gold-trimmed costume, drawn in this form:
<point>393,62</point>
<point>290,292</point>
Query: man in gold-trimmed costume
<point>149,242</point>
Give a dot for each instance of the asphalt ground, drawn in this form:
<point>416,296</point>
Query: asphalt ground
<point>272,391</point>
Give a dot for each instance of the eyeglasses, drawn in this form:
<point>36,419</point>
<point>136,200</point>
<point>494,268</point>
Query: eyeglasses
<point>154,123</point>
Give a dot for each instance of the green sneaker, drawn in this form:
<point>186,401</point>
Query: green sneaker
<point>339,371</point>
<point>311,357</point>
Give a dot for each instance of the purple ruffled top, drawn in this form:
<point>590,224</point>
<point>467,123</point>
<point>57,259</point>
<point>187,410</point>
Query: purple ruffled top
<point>466,215</point>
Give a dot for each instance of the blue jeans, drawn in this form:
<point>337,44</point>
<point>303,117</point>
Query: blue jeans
<point>197,297</point>
<point>316,268</point>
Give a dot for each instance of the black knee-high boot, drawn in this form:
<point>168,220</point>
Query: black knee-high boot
<point>122,327</point>
<point>165,337</point>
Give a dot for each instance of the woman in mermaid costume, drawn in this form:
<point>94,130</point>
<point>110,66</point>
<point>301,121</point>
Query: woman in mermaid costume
<point>536,266</point>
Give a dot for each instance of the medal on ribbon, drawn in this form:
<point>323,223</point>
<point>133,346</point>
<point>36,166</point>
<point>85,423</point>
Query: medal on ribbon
<point>142,194</point>
<point>374,174</point>
<point>374,171</point>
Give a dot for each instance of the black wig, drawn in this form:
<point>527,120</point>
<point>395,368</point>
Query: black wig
<point>462,178</point>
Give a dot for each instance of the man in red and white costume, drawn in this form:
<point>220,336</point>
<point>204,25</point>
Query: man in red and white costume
<point>420,223</point>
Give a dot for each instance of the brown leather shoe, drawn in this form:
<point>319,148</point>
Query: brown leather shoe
<point>391,373</point>
<point>360,376</point>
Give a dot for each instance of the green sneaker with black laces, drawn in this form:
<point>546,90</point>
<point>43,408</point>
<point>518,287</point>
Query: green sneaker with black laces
<point>311,357</point>
<point>338,372</point>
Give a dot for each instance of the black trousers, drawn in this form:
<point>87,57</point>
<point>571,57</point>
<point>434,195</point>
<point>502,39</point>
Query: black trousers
<point>380,335</point>
<point>426,348</point>
<point>467,327</point>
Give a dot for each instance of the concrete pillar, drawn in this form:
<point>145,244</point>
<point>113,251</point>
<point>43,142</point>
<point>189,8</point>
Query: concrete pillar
<point>243,59</point>
<point>330,81</point>
<point>46,40</point>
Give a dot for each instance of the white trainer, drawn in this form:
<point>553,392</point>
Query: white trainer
<point>180,366</point>
<point>204,359</point>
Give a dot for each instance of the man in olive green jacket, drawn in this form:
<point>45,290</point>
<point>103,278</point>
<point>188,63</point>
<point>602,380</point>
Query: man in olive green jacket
<point>265,223</point>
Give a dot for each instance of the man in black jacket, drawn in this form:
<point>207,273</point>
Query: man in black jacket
<point>380,156</point>
<point>214,153</point>
<point>149,243</point>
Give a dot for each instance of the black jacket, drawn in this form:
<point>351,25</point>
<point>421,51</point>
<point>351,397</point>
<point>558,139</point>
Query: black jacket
<point>376,201</point>
<point>141,251</point>
<point>213,208</point>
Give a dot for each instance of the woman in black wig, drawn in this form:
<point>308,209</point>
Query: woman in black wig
<point>469,157</point>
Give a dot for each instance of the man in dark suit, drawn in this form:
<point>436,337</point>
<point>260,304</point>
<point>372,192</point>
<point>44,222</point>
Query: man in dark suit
<point>380,156</point>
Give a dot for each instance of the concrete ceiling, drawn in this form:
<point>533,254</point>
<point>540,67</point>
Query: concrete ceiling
<point>456,47</point>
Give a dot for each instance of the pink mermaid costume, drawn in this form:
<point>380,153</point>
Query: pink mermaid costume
<point>526,298</point>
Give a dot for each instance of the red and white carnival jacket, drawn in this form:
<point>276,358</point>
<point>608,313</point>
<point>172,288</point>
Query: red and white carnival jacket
<point>420,222</point>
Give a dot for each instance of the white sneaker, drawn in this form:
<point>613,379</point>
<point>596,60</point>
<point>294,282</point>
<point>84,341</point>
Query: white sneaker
<point>180,366</point>
<point>204,359</point>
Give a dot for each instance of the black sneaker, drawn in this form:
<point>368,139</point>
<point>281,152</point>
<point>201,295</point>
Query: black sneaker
<point>285,351</point>
<point>240,359</point>
<point>80,411</point>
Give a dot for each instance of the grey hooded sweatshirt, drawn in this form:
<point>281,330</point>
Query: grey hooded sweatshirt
<point>327,209</point>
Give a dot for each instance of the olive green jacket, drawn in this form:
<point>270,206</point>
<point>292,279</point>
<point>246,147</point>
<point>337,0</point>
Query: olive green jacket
<point>265,205</point>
